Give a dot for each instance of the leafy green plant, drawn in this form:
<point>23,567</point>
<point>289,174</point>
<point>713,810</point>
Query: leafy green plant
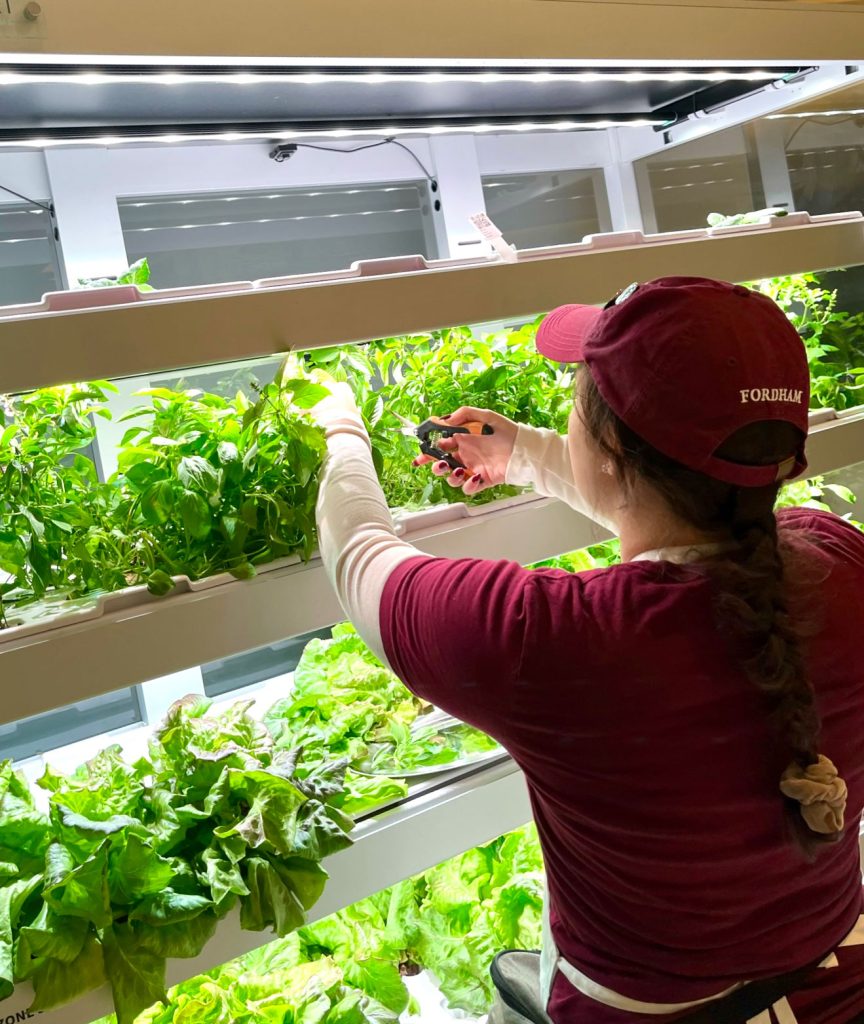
<point>346,704</point>
<point>410,379</point>
<point>219,486</point>
<point>49,490</point>
<point>595,556</point>
<point>451,921</point>
<point>138,862</point>
<point>315,992</point>
<point>138,274</point>
<point>834,338</point>
<point>205,485</point>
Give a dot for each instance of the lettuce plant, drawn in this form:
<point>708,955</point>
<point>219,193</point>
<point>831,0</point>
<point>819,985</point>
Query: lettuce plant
<point>137,862</point>
<point>451,921</point>
<point>345,703</point>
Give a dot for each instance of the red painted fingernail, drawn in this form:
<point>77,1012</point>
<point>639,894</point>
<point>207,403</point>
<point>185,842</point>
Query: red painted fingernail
<point>459,472</point>
<point>443,465</point>
<point>447,417</point>
<point>476,479</point>
<point>415,462</point>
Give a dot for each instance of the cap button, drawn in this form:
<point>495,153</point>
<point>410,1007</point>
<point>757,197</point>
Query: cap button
<point>739,289</point>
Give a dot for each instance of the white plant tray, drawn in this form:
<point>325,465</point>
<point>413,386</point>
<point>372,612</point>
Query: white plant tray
<point>80,300</point>
<point>132,637</point>
<point>56,612</point>
<point>73,336</point>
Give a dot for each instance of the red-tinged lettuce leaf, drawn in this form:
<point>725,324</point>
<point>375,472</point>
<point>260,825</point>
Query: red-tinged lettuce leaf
<point>56,981</point>
<point>273,804</point>
<point>136,870</point>
<point>136,975</point>
<point>321,830</point>
<point>12,900</point>
<point>78,890</point>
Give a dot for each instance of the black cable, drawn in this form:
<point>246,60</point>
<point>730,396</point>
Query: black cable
<point>372,145</point>
<point>414,157</point>
<point>42,206</point>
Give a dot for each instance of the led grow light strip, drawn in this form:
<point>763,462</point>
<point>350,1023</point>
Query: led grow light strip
<point>818,113</point>
<point>276,135</point>
<point>268,220</point>
<point>141,77</point>
<point>334,190</point>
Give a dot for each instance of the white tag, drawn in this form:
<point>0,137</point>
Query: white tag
<point>492,235</point>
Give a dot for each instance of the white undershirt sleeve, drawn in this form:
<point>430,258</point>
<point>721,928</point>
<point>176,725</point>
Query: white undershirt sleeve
<point>541,459</point>
<point>356,538</point>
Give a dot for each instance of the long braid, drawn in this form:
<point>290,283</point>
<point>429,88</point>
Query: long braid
<point>750,584</point>
<point>751,599</point>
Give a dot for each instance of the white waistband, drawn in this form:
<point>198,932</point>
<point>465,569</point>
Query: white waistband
<point>553,961</point>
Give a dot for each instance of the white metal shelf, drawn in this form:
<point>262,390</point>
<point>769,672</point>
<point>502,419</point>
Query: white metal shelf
<point>396,844</point>
<point>66,339</point>
<point>602,30</point>
<point>128,643</point>
<point>836,442</point>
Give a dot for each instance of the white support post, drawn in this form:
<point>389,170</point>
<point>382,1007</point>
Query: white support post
<point>159,694</point>
<point>460,189</point>
<point>624,207</point>
<point>770,138</point>
<point>83,187</point>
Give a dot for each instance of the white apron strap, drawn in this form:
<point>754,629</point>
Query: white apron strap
<point>548,957</point>
<point>763,1018</point>
<point>551,961</point>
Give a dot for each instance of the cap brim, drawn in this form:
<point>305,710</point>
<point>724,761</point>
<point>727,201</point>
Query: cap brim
<point>562,335</point>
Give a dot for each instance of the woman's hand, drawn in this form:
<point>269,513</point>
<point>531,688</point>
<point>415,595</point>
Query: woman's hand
<point>485,456</point>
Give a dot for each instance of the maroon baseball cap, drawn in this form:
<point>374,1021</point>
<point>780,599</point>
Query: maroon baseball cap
<point>685,362</point>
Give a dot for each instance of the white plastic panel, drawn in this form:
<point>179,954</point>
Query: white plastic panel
<point>836,442</point>
<point>65,339</point>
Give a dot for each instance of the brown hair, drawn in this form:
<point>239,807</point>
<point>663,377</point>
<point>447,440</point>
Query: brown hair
<point>749,579</point>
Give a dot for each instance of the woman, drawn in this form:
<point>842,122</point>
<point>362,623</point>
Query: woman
<point>678,717</point>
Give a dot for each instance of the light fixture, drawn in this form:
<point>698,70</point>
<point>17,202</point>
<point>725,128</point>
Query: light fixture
<point>251,197</point>
<point>268,220</point>
<point>215,75</point>
<point>818,113</point>
<point>20,139</point>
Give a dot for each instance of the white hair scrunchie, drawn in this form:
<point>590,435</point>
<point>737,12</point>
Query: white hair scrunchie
<point>820,791</point>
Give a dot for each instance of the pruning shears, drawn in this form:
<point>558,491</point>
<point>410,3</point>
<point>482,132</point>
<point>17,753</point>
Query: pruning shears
<point>430,432</point>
